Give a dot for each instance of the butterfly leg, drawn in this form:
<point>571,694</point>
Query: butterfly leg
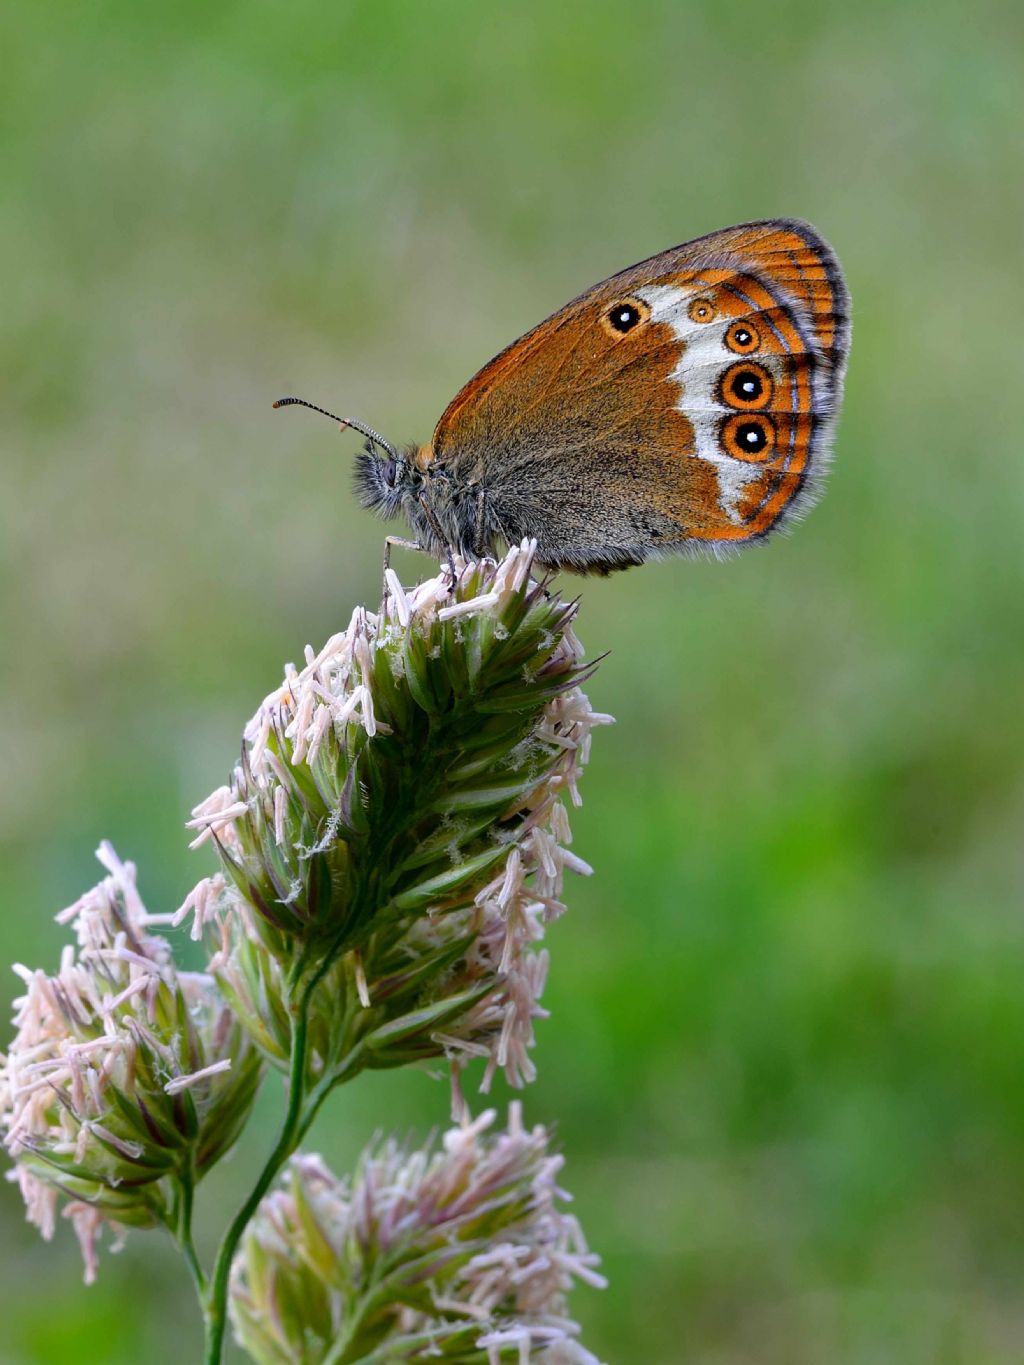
<point>479,533</point>
<point>435,526</point>
<point>399,543</point>
<point>390,543</point>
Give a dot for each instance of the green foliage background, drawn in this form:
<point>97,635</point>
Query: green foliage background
<point>787,1048</point>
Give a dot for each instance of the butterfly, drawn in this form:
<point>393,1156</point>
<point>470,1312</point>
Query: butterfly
<point>685,404</point>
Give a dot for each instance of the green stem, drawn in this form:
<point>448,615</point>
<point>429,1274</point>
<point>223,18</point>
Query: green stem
<point>288,1139</point>
<point>183,1231</point>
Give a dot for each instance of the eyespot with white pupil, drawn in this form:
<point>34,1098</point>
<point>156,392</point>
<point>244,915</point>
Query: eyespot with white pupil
<point>701,310</point>
<point>624,317</point>
<point>742,337</point>
<point>747,386</point>
<point>748,438</point>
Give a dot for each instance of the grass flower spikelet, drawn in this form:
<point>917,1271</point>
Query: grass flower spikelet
<point>125,1078</point>
<point>460,1252</point>
<point>394,829</point>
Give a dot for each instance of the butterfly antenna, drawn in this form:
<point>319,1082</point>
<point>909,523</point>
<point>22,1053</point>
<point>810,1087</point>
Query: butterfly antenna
<point>344,422</point>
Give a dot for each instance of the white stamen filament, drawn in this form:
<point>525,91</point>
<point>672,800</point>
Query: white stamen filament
<point>470,607</point>
<point>184,1082</point>
<point>398,597</point>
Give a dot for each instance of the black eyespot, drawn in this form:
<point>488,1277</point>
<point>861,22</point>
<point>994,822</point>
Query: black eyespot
<point>751,437</point>
<point>390,472</point>
<point>624,317</point>
<point>742,337</point>
<point>746,386</point>
<point>748,438</point>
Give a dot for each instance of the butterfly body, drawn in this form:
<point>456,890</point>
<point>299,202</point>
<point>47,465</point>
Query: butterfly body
<point>685,404</point>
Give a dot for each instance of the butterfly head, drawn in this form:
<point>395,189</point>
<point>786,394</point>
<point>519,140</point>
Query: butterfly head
<point>444,511</point>
<point>389,482</point>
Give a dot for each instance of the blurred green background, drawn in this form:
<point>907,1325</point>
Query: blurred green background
<point>787,1047</point>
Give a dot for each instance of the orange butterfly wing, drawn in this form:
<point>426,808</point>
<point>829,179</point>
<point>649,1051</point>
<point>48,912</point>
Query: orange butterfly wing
<point>686,402</point>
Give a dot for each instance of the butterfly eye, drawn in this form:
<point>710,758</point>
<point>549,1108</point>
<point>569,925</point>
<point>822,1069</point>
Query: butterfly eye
<point>742,337</point>
<point>390,472</point>
<point>623,316</point>
<point>701,310</point>
<point>748,438</point>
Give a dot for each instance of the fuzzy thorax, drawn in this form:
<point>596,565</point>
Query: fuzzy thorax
<point>444,514</point>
